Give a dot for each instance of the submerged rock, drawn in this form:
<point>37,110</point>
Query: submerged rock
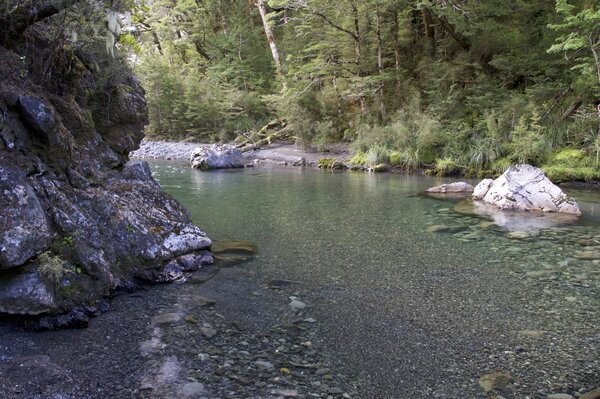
<point>456,187</point>
<point>217,156</point>
<point>497,381</point>
<point>526,188</point>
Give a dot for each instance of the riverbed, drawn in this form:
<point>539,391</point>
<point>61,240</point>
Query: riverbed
<point>347,285</point>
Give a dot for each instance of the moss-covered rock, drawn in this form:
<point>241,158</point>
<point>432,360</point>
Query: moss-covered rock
<point>79,220</point>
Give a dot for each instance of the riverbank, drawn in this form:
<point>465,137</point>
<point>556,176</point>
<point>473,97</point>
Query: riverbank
<point>279,153</point>
<point>336,156</point>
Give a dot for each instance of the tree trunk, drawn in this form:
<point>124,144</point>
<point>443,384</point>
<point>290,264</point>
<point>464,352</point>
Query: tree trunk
<point>396,32</point>
<point>596,56</point>
<point>458,37</point>
<point>271,38</point>
<point>16,21</point>
<point>380,91</point>
<point>356,37</point>
<point>429,29</point>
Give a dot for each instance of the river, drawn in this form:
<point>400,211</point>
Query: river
<point>406,297</point>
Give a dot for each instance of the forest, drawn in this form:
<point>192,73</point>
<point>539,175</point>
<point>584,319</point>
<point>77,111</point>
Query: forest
<point>456,86</point>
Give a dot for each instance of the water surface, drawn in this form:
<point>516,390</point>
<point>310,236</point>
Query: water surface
<point>415,299</point>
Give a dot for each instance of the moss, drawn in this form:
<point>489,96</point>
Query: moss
<point>560,173</point>
<point>568,155</point>
<point>325,162</point>
<point>360,158</point>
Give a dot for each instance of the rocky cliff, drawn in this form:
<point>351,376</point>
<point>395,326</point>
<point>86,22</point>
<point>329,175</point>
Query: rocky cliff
<point>78,220</point>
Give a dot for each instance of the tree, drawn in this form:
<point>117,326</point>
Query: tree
<point>580,28</point>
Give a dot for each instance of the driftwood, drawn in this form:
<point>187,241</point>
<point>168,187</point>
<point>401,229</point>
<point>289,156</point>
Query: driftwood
<point>245,144</point>
<point>279,134</point>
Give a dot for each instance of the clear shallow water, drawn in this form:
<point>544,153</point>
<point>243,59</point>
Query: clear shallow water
<point>413,296</point>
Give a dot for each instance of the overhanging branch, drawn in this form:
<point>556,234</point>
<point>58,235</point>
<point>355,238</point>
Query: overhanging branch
<point>16,21</point>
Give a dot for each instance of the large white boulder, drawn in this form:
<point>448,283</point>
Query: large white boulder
<point>525,188</point>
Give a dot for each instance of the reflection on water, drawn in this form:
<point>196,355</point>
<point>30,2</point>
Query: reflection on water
<point>515,220</point>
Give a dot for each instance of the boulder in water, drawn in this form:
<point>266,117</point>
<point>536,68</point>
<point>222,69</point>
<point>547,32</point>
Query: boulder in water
<point>525,188</point>
<point>217,156</point>
<point>456,187</point>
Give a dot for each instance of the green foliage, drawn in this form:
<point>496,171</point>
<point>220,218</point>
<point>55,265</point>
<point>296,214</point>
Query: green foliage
<point>325,162</point>
<point>360,158</point>
<point>496,83</point>
<point>572,164</point>
<point>446,167</point>
<point>579,26</point>
<point>376,155</point>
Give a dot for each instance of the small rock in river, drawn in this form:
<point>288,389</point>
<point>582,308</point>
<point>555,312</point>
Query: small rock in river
<point>587,255</point>
<point>518,235</point>
<point>264,364</point>
<point>286,393</point>
<point>273,284</point>
<point>560,396</point>
<point>208,331</point>
<point>498,380</point>
<point>192,389</point>
<point>167,318</point>
<point>297,305</point>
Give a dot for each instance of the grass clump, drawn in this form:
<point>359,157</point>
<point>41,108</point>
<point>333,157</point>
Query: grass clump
<point>446,167</point>
<point>360,158</point>
<point>377,155</point>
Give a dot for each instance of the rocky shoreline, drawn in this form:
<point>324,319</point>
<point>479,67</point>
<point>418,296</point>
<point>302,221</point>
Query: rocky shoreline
<point>275,154</point>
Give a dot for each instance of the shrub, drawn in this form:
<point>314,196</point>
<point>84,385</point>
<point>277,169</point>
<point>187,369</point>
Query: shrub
<point>51,267</point>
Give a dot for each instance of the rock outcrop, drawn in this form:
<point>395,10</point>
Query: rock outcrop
<point>217,156</point>
<point>79,220</point>
<point>525,188</point>
<point>456,187</point>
